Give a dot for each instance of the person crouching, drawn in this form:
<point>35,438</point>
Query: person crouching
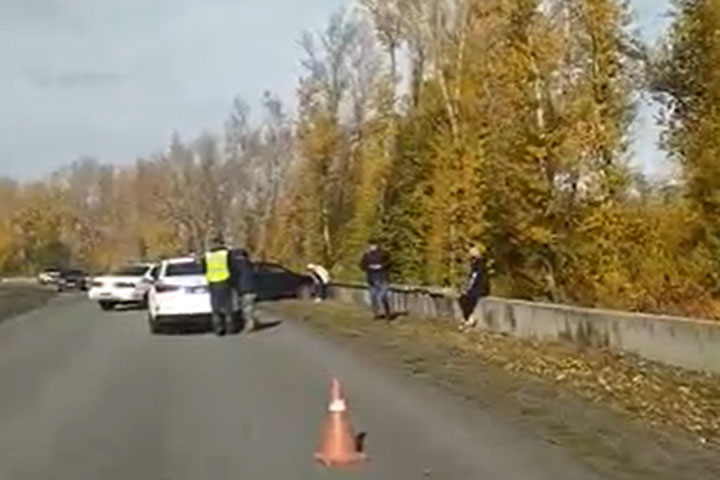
<point>321,279</point>
<point>476,288</point>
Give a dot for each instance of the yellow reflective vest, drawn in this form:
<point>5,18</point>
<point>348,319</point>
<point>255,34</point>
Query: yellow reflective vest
<point>217,266</point>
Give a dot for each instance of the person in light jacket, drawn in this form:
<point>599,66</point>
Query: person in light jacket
<point>321,279</point>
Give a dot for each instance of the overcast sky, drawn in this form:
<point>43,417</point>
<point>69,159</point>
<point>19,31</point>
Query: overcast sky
<point>114,78</point>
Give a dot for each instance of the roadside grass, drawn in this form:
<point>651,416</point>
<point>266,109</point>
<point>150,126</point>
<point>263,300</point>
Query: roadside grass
<point>16,299</point>
<point>622,415</point>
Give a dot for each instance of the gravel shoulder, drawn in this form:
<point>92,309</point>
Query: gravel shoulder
<point>617,414</point>
<point>16,299</point>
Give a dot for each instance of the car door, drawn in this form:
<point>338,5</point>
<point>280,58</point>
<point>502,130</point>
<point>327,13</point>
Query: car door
<point>273,282</point>
<point>150,278</point>
<point>157,274</point>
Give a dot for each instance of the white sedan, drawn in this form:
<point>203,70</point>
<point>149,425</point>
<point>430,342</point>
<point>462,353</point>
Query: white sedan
<point>180,296</point>
<point>127,286</point>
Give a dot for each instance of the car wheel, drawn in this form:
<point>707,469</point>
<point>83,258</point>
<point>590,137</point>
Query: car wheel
<point>304,292</point>
<point>107,306</point>
<point>155,327</point>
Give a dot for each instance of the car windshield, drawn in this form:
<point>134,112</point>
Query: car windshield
<point>184,269</point>
<point>131,271</point>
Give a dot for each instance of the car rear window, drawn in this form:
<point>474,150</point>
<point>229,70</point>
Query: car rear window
<point>132,271</point>
<point>183,269</point>
<point>271,268</point>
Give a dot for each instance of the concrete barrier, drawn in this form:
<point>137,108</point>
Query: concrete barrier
<point>682,342</point>
<point>419,301</point>
<point>18,280</point>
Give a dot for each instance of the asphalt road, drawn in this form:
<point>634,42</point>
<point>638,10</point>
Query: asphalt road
<point>92,395</point>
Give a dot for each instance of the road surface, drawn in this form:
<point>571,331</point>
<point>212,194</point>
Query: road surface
<point>88,395</point>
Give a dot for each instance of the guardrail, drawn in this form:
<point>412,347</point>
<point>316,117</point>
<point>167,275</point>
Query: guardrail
<point>683,342</point>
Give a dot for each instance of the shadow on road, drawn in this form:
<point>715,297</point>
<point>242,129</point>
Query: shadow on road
<point>398,315</point>
<point>185,331</point>
<point>130,308</point>
<point>205,329</point>
<point>360,442</point>
<point>261,327</point>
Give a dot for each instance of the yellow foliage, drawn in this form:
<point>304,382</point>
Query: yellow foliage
<point>513,137</point>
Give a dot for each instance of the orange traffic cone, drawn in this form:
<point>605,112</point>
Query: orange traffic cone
<point>339,446</point>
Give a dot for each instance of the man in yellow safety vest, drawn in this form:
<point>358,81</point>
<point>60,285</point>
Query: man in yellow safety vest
<point>216,263</point>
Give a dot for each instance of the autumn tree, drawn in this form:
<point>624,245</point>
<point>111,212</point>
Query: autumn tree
<point>687,76</point>
<point>323,170</point>
<point>38,224</point>
<point>277,141</point>
<point>10,198</point>
<point>373,132</point>
<point>433,125</point>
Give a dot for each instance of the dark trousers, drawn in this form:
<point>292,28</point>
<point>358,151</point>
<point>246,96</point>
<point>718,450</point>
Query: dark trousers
<point>468,302</point>
<point>380,297</point>
<point>247,303</point>
<point>221,302</point>
<point>320,290</point>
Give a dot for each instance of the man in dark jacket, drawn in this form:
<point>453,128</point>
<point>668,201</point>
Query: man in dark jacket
<point>375,263</point>
<point>243,273</point>
<point>216,265</point>
<point>477,287</point>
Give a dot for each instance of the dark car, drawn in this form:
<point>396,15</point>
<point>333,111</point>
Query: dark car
<point>275,282</point>
<point>71,279</point>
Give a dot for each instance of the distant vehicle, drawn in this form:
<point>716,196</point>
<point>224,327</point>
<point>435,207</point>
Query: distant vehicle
<point>71,279</point>
<point>180,296</point>
<point>129,285</point>
<point>48,276</point>
<point>275,282</point>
